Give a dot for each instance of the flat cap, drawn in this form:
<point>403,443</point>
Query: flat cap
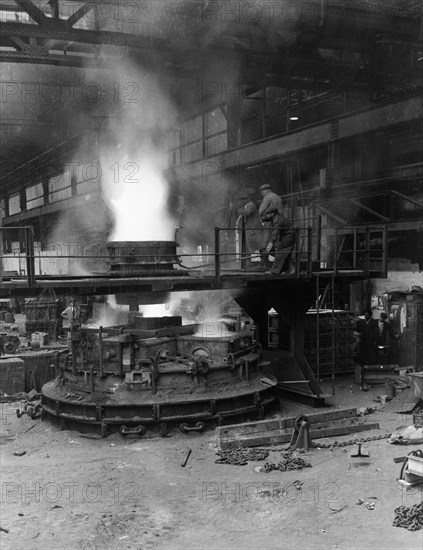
<point>264,186</point>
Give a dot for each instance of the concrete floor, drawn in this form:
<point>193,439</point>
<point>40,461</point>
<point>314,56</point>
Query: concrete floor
<point>77,493</point>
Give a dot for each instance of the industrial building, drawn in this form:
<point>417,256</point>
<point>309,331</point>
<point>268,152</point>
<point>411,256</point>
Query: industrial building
<point>137,298</point>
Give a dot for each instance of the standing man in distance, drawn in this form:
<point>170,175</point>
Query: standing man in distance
<point>366,331</point>
<point>71,318</point>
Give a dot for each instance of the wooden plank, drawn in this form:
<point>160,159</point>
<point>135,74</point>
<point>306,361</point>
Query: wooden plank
<point>282,423</point>
<point>284,436</point>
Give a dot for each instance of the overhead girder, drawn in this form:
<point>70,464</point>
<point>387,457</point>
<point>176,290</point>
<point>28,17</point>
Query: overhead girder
<point>284,65</point>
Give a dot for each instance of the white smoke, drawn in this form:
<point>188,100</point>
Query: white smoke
<point>133,160</point>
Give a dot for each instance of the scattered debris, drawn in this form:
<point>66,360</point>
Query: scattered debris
<point>409,518</point>
<point>33,394</point>
<point>184,463</point>
<point>369,504</point>
<point>365,411</point>
<point>335,508</point>
<point>33,410</point>
<point>240,457</point>
<point>19,453</point>
<point>407,435</point>
<point>30,428</point>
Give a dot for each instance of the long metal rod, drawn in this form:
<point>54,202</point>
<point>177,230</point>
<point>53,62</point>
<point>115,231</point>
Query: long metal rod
<point>217,254</point>
<point>100,351</point>
<point>334,354</point>
<point>317,333</point>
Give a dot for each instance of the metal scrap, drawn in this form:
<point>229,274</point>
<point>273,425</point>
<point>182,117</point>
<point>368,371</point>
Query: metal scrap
<point>409,518</point>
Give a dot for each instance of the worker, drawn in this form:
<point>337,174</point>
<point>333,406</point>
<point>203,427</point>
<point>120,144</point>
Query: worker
<point>71,318</point>
<point>271,201</point>
<point>269,204</point>
<point>366,331</point>
<point>248,210</point>
<point>385,331</point>
<point>281,243</point>
<point>386,338</point>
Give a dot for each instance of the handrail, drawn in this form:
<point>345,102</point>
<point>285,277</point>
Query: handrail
<point>362,248</point>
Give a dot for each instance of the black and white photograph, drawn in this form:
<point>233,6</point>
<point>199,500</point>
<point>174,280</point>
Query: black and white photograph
<point>211,274</point>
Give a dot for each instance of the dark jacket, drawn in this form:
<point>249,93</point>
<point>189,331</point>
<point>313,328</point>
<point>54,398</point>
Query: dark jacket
<point>283,232</point>
<point>367,343</point>
<point>384,333</point>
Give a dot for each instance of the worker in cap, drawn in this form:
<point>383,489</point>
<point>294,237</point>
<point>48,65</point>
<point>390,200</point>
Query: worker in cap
<point>281,243</point>
<point>248,210</point>
<point>270,204</point>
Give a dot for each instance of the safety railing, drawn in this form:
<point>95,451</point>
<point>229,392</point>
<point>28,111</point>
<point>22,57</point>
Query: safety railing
<point>362,248</point>
<point>317,249</point>
<point>301,253</point>
<point>26,251</point>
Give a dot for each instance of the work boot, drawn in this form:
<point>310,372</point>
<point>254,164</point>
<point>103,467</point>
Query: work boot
<point>291,269</point>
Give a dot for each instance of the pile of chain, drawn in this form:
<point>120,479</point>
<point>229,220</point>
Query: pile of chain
<point>350,441</point>
<point>289,463</point>
<point>409,518</point>
<point>240,457</point>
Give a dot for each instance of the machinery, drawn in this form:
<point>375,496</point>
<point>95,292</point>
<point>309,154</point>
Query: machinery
<point>132,378</point>
<point>155,372</point>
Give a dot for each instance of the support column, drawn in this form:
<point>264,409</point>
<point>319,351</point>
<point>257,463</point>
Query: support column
<point>233,121</point>
<point>22,199</point>
<point>2,202</point>
<point>44,183</point>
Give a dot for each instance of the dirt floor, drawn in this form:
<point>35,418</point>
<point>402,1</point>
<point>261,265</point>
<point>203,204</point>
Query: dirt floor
<point>76,493</point>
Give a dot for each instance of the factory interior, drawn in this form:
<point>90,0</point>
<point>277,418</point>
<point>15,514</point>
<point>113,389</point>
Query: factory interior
<point>211,274</point>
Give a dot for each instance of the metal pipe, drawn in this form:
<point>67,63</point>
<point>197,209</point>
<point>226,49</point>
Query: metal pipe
<point>217,254</point>
<point>100,351</point>
<point>309,251</point>
<point>243,245</point>
<point>319,240</point>
<point>317,334</point>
